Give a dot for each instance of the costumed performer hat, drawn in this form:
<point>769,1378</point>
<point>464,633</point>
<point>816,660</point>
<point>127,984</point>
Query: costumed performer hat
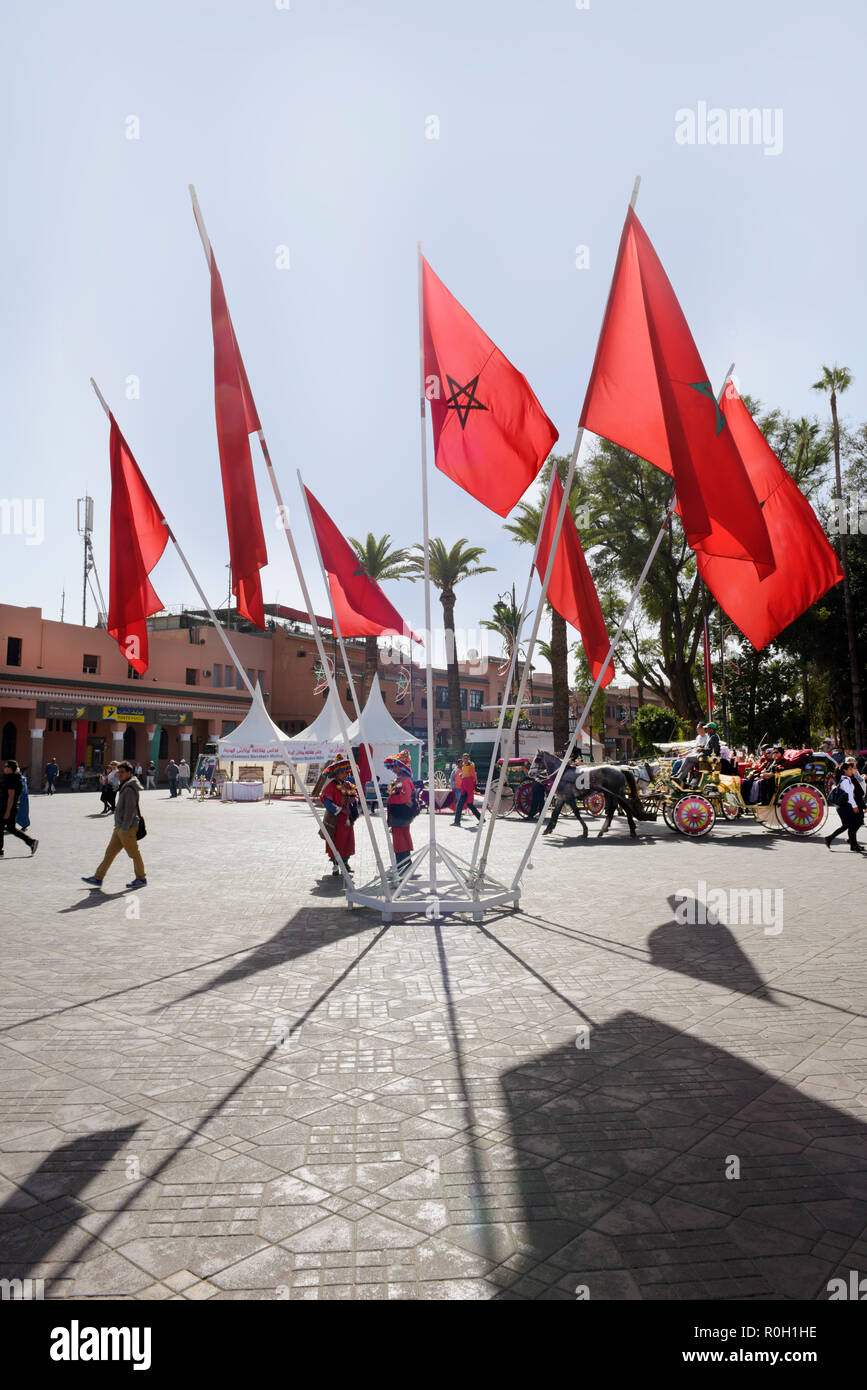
<point>337,765</point>
<point>401,762</point>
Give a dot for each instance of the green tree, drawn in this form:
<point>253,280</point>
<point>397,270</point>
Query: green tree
<point>834,381</point>
<point>380,561</point>
<point>448,568</point>
<point>654,725</point>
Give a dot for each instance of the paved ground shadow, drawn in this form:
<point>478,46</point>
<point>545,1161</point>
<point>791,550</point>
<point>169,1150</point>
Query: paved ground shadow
<point>627,1185</point>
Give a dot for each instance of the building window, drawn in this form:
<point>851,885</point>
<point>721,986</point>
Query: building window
<point>249,675</point>
<point>132,674</point>
<point>476,699</point>
<point>13,651</point>
<point>239,684</point>
<point>67,726</point>
<point>261,677</point>
<point>463,698</point>
<point>218,675</point>
<point>90,665</point>
<point>228,726</point>
<point>191,676</point>
<point>442,697</point>
<point>424,702</point>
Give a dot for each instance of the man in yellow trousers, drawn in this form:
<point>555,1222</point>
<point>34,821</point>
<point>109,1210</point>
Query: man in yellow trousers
<point>126,822</point>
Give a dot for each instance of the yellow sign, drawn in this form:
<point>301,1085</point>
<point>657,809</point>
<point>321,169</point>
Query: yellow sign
<point>123,716</point>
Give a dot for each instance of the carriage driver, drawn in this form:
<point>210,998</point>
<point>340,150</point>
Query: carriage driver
<point>708,748</point>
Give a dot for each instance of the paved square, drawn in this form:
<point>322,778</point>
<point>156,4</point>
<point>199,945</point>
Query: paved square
<point>230,1086</point>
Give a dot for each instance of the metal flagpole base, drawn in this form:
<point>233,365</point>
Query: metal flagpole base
<point>460,889</point>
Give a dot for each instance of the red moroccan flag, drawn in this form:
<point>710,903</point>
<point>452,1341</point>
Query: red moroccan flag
<point>236,418</point>
<point>806,564</point>
<point>491,436</point>
<point>649,392</point>
<point>138,538</point>
<point>360,606</point>
<point>571,590</point>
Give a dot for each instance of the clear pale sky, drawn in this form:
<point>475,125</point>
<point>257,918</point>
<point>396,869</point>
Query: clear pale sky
<point>306,128</point>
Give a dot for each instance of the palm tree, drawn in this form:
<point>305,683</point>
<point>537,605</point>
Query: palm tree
<point>833,380</point>
<point>524,528</point>
<point>379,561</point>
<point>447,569</point>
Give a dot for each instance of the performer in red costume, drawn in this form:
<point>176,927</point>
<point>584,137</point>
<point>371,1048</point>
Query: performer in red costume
<point>402,807</point>
<point>341,806</point>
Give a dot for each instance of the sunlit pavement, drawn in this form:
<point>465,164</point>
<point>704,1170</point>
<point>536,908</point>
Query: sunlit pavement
<point>228,1085</point>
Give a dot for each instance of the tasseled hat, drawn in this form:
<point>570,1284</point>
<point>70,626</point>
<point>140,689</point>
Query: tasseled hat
<point>336,766</point>
<point>401,762</point>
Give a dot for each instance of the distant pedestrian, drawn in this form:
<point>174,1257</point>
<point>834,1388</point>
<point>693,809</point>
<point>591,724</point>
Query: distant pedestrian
<point>467,792</point>
<point>850,806</point>
<point>138,771</point>
<point>126,824</point>
<point>172,773</point>
<point>184,774</point>
<point>151,782</point>
<point>78,778</point>
<point>12,785</point>
<point>51,771</point>
<point>110,788</point>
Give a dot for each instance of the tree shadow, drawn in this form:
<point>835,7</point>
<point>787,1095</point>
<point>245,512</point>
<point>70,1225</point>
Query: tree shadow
<point>653,1165</point>
<point>31,1229</point>
<point>708,952</point>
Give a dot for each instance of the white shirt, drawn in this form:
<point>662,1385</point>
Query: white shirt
<point>846,785</point>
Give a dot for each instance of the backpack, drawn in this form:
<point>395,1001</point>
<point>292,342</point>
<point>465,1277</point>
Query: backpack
<point>415,805</point>
<point>837,796</point>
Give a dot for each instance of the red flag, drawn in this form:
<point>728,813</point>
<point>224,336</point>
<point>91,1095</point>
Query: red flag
<point>491,436</point>
<point>138,538</point>
<point>649,392</point>
<point>806,564</point>
<point>236,418</point>
<point>360,606</point>
<point>571,589</point>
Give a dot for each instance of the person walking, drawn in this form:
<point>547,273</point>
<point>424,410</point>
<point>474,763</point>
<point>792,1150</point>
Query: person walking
<point>138,771</point>
<point>110,788</point>
<point>184,775</point>
<point>467,792</point>
<point>455,782</point>
<point>337,796</point>
<point>403,807</point>
<point>150,784</point>
<point>173,773</point>
<point>51,771</point>
<point>126,823</point>
<point>12,786</point>
<point>850,806</point>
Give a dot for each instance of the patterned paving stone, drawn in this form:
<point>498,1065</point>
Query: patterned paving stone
<point>226,1088</point>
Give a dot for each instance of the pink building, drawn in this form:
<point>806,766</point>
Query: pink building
<point>67,692</point>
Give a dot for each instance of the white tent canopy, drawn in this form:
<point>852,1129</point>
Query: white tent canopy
<point>322,739</point>
<point>377,728</point>
<point>257,736</point>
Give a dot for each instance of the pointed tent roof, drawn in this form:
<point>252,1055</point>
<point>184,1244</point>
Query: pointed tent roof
<point>257,736</point>
<point>376,724</point>
<point>326,725</point>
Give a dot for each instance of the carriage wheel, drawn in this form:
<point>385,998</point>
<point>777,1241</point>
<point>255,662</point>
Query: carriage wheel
<point>523,799</point>
<point>668,814</point>
<point>595,803</point>
<point>801,809</point>
<point>729,809</point>
<point>507,800</point>
<point>830,783</point>
<point>694,815</point>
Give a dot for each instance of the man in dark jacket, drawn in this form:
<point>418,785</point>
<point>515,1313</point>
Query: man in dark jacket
<point>11,787</point>
<point>126,819</point>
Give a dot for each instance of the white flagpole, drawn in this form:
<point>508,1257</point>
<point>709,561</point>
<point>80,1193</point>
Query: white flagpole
<point>555,541</point>
<point>615,640</point>
<point>236,662</point>
<point>368,747</point>
<point>283,514</point>
<point>540,608</point>
<point>513,661</point>
<point>427,604</point>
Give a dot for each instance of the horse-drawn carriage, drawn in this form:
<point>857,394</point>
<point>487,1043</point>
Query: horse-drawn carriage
<point>798,802</point>
<point>521,778</point>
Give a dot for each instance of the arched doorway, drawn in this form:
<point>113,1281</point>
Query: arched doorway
<point>9,741</point>
<point>129,744</point>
